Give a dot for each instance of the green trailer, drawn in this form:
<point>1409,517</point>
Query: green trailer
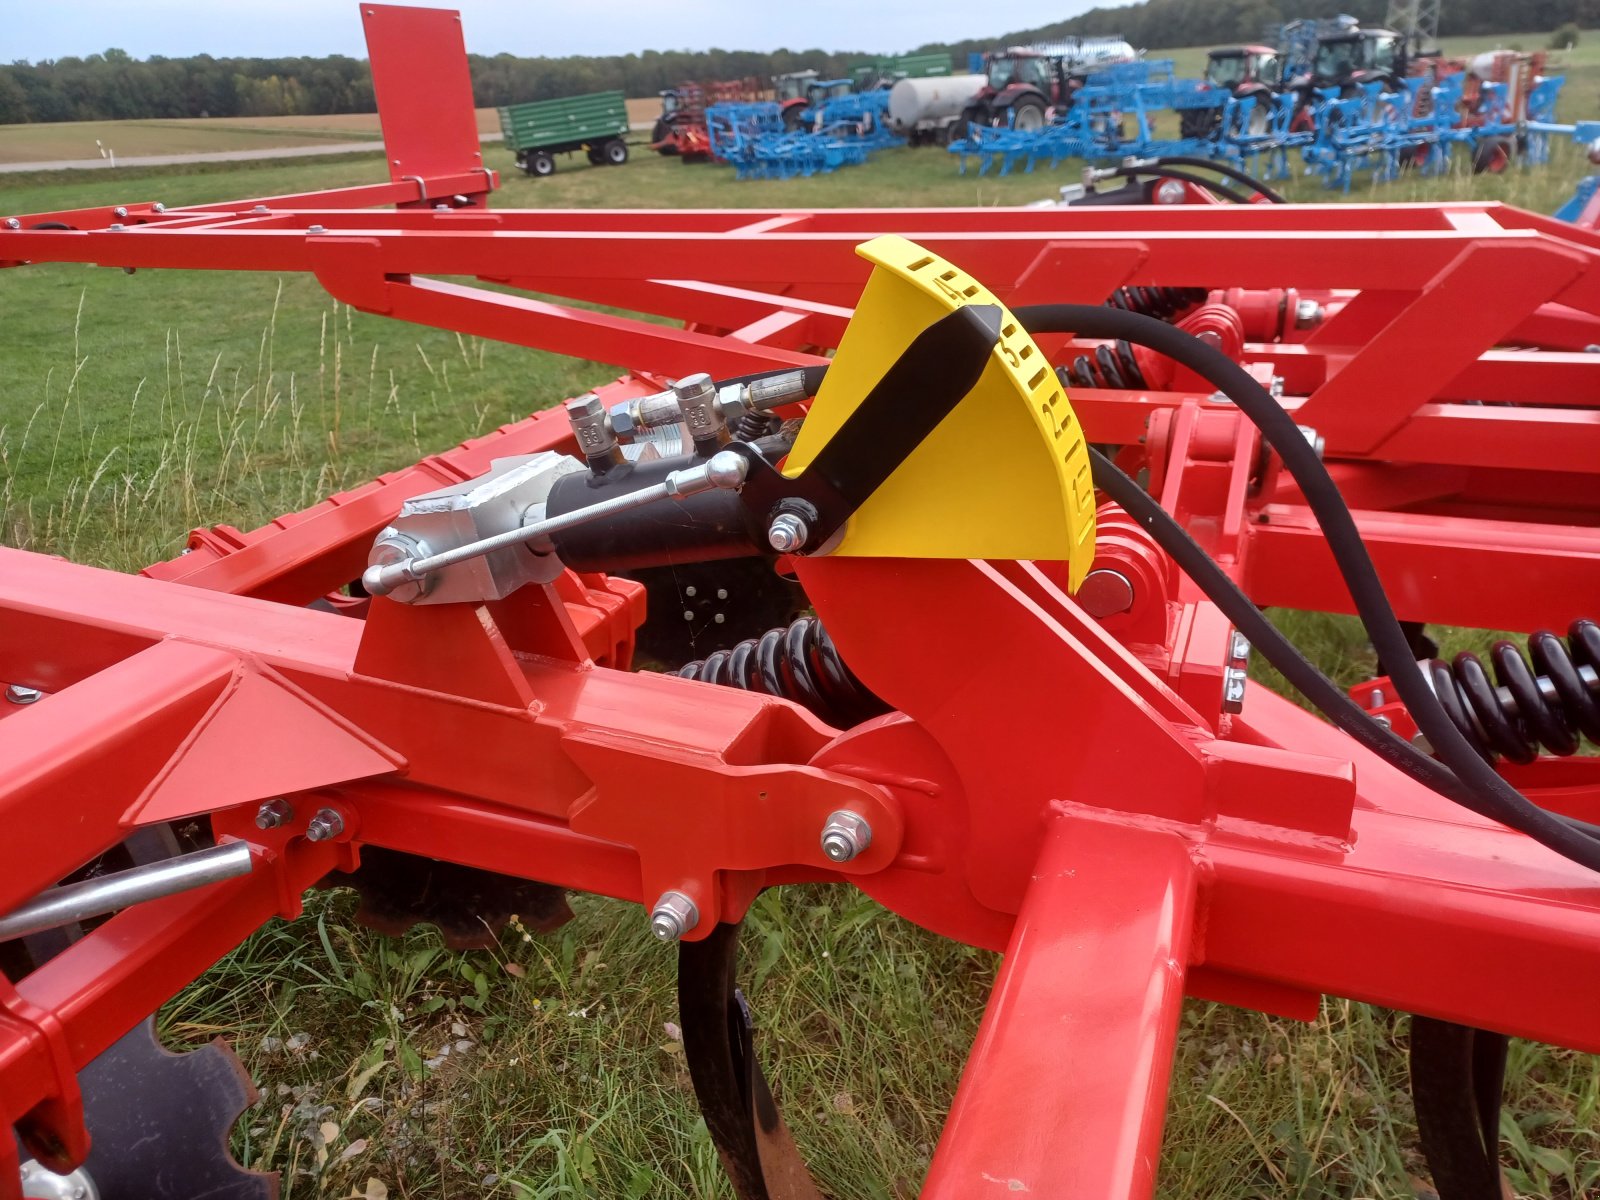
<point>885,72</point>
<point>539,130</point>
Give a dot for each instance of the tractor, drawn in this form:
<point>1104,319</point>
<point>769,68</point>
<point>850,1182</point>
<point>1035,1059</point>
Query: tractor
<point>1023,86</point>
<point>1346,60</point>
<point>1025,83</point>
<point>1241,71</point>
<point>792,91</point>
<point>683,110</point>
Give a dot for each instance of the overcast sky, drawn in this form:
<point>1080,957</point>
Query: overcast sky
<point>269,28</point>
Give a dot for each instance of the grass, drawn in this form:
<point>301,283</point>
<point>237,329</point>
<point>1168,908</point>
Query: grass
<point>134,407</point>
<point>67,140</point>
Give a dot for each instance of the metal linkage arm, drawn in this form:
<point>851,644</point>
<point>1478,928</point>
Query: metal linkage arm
<point>724,470</point>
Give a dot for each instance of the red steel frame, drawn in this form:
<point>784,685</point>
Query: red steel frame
<point>1059,787</point>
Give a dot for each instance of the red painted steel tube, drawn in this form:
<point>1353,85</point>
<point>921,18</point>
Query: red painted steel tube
<point>1484,574</point>
<point>1065,1090</point>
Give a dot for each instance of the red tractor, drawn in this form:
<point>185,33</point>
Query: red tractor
<point>1346,60</point>
<point>1241,71</point>
<point>793,93</point>
<point>1023,85</point>
<point>1026,82</point>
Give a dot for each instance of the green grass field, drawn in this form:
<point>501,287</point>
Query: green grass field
<point>135,407</point>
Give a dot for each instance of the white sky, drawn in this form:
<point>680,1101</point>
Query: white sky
<point>45,29</point>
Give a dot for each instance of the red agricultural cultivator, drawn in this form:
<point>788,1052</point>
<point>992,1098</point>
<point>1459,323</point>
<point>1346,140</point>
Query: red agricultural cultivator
<point>1006,696</point>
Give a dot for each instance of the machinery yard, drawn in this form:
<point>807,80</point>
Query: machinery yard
<point>145,402</point>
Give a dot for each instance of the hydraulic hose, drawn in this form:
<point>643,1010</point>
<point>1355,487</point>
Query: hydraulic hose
<point>1301,673</point>
<point>1211,185</point>
<point>1232,172</point>
<point>1485,792</point>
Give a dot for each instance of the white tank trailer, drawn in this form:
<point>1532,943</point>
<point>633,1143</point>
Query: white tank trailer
<point>923,110</point>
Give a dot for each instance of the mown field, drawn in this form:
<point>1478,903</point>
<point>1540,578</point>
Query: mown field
<point>69,140</point>
<point>135,407</point>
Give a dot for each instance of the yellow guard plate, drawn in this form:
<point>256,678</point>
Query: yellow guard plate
<point>1006,475</point>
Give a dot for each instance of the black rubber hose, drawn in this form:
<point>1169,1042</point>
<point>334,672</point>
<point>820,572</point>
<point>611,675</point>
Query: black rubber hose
<point>1211,185</point>
<point>1301,673</point>
<point>1490,795</point>
<point>1232,172</point>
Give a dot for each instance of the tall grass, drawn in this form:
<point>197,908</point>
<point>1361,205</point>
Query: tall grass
<point>118,479</point>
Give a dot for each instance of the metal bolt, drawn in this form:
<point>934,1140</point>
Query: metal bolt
<point>673,916</point>
<point>1307,313</point>
<point>1315,439</point>
<point>19,693</point>
<point>845,835</point>
<point>1105,593</point>
<point>691,591</point>
<point>119,211</point>
<point>158,207</point>
<point>274,813</point>
<point>722,593</point>
<point>719,618</point>
<point>13,223</point>
<point>317,229</point>
<point>1383,723</point>
<point>1171,191</point>
<point>114,227</point>
<point>328,823</point>
<point>1233,681</point>
<point>260,209</point>
<point>1238,648</point>
<point>787,533</point>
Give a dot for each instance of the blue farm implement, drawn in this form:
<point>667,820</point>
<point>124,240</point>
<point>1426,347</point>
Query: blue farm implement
<point>1343,133</point>
<point>754,140</point>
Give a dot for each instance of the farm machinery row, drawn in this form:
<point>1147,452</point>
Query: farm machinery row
<point>800,102</point>
<point>1028,536</point>
<point>1423,124</point>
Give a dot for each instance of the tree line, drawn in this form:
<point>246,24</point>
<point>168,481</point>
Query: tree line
<point>1165,24</point>
<point>115,86</point>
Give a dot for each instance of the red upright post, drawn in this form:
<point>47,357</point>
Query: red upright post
<point>1066,1088</point>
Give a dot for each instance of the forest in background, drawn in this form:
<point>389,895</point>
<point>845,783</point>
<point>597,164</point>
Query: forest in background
<point>116,86</point>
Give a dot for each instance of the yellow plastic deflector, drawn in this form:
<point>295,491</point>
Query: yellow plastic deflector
<point>1006,475</point>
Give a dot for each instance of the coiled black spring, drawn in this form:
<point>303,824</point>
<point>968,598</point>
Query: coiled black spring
<point>1115,366</point>
<point>1111,366</point>
<point>1162,303</point>
<point>755,425</point>
<point>798,662</point>
<point>1549,703</point>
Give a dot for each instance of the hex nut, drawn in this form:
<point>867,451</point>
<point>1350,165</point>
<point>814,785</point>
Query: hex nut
<point>274,813</point>
<point>673,916</point>
<point>326,825</point>
<point>845,835</point>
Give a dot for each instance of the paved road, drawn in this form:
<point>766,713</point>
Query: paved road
<point>165,160</point>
